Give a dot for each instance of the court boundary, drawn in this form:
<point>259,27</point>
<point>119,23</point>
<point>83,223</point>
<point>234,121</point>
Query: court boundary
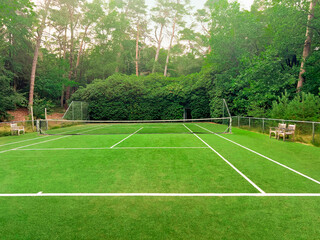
<point>103,148</point>
<point>41,194</point>
<point>261,194</point>
<point>261,155</point>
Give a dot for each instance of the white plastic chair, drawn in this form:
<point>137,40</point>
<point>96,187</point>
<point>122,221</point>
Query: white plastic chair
<point>16,128</point>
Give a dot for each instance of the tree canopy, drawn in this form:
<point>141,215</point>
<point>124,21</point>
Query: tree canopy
<point>131,61</point>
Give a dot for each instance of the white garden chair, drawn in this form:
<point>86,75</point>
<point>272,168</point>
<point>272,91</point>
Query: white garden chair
<point>275,130</point>
<point>16,128</point>
<point>287,132</point>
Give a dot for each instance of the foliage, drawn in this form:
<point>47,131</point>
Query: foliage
<point>39,107</point>
<point>248,58</point>
<point>304,106</point>
<point>122,97</point>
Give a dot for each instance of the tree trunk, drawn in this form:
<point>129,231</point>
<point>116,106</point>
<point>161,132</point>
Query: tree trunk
<point>170,46</point>
<point>158,48</point>
<point>64,57</point>
<point>137,50</point>
<point>307,46</point>
<point>81,45</point>
<point>119,58</point>
<point>36,53</point>
<point>62,96</point>
<point>68,89</point>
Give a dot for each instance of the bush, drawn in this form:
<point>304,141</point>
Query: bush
<point>39,106</point>
<point>122,97</point>
<point>303,107</point>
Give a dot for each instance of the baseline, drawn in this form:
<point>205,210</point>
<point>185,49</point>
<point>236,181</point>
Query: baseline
<point>115,148</point>
<point>41,194</point>
<point>261,155</point>
<point>230,164</point>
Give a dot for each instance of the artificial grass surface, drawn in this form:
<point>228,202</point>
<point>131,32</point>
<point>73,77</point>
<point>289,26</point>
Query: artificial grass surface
<point>157,170</point>
<point>160,218</point>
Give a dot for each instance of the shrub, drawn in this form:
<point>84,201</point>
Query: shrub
<point>39,106</point>
<point>302,107</point>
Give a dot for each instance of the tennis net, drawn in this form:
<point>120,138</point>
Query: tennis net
<point>189,126</point>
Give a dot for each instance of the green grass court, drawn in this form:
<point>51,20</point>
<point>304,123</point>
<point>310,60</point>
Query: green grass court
<point>162,181</point>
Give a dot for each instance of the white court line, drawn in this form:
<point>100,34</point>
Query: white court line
<point>37,138</point>
<point>41,194</point>
<point>261,155</point>
<point>126,138</point>
<point>33,138</point>
<point>23,141</point>
<point>13,149</point>
<point>230,164</point>
<point>115,148</point>
<point>158,147</point>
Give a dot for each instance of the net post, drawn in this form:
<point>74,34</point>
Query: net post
<point>263,125</point>
<point>238,121</point>
<point>249,122</point>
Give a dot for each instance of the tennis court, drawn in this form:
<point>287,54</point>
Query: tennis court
<point>195,176</point>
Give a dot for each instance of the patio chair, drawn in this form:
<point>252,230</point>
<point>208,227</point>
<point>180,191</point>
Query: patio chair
<point>16,128</point>
<point>275,130</point>
<point>287,132</point>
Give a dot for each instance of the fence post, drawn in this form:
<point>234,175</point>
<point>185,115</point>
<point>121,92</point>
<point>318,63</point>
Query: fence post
<point>263,125</point>
<point>249,122</point>
<point>81,111</point>
<point>313,132</point>
<point>32,117</point>
<point>46,117</point>
<point>38,126</point>
<point>238,121</point>
<point>72,111</point>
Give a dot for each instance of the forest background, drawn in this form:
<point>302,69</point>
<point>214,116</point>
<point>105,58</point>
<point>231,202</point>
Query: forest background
<point>133,62</point>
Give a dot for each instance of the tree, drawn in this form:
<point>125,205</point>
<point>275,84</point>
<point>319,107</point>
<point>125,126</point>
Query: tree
<point>59,21</point>
<point>307,45</point>
<point>36,50</point>
<point>91,13</point>
<point>136,10</point>
<point>160,16</point>
<point>179,10</point>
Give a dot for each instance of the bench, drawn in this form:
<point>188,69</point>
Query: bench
<point>16,128</point>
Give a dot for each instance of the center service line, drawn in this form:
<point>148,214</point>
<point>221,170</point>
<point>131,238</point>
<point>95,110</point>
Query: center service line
<point>126,138</point>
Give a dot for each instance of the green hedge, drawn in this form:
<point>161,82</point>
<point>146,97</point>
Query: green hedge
<point>122,97</point>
